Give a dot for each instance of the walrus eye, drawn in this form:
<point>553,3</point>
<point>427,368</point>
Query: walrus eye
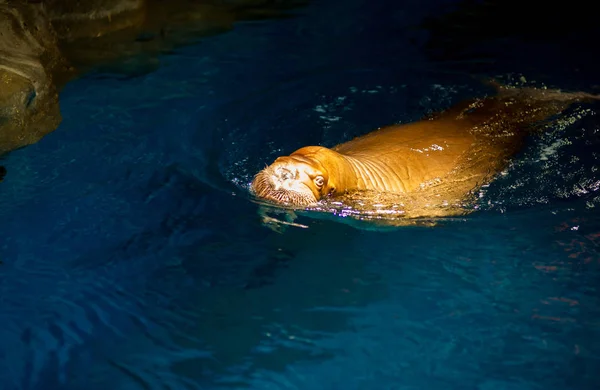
<point>319,181</point>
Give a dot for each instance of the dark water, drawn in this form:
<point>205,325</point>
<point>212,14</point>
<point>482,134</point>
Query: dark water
<point>133,259</point>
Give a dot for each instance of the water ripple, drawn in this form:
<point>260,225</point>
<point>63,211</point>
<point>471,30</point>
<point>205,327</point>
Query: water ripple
<point>133,258</point>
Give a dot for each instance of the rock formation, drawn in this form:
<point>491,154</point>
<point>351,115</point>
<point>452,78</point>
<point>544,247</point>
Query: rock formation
<point>29,55</point>
<point>45,43</point>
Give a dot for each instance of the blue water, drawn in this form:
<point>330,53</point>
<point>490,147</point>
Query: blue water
<point>132,257</point>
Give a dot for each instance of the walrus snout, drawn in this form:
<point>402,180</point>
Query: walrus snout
<point>282,175</point>
<point>283,183</point>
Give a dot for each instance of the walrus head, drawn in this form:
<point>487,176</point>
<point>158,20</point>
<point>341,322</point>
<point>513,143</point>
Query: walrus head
<point>296,180</point>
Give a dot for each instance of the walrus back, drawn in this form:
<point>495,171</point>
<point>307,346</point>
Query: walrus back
<point>478,136</point>
<point>416,153</point>
<point>524,109</point>
<point>509,115</point>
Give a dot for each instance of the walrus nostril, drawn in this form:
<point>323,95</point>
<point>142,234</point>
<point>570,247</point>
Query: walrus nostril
<point>285,173</point>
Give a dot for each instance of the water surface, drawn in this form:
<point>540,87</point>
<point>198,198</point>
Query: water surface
<point>132,257</point>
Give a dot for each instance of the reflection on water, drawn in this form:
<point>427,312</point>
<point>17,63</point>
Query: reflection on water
<point>133,258</point>
<point>131,41</point>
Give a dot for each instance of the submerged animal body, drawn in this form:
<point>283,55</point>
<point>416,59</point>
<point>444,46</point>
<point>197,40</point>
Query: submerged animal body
<point>443,158</point>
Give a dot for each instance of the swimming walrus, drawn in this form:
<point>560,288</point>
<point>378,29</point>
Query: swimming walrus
<point>442,159</point>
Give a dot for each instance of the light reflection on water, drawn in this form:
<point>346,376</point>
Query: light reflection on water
<point>133,258</point>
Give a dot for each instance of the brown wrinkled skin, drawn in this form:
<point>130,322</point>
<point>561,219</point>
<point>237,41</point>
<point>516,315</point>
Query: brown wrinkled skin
<point>441,159</point>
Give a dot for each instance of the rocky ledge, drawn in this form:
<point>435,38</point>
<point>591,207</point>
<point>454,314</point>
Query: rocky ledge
<point>45,43</point>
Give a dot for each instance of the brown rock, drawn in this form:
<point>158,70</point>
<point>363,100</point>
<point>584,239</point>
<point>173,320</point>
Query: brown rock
<point>93,18</point>
<point>28,56</point>
<point>43,44</point>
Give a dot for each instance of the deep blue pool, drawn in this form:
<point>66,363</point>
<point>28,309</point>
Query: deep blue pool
<point>132,257</point>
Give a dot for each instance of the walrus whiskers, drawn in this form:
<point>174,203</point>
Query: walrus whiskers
<point>264,188</point>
